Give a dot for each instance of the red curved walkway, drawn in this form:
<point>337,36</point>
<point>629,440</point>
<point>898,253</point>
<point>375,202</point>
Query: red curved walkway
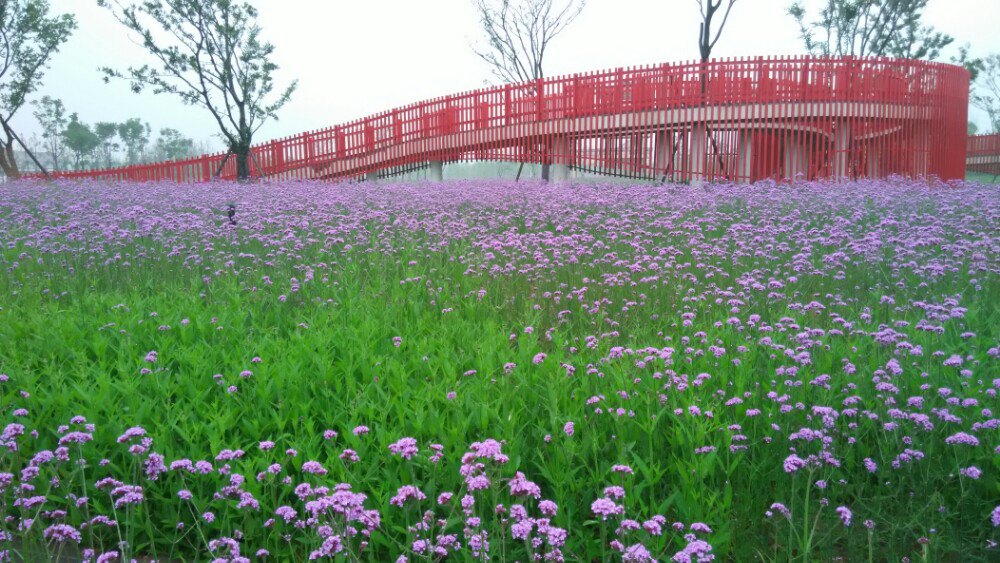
<point>734,119</point>
<point>984,154</point>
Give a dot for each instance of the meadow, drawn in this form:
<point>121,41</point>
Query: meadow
<point>486,370</point>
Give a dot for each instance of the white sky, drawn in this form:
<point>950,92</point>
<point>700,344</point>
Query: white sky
<point>355,58</point>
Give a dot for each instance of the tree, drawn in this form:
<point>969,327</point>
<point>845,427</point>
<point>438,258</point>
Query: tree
<point>80,140</point>
<point>210,54</point>
<point>865,28</point>
<point>106,132</point>
<point>29,38</point>
<point>518,34</point>
<point>986,95</point>
<point>708,10</point>
<point>135,136</point>
<point>173,146</point>
<point>51,115</point>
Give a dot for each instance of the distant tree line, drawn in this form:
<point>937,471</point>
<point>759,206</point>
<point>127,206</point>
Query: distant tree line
<point>68,143</point>
<point>209,53</point>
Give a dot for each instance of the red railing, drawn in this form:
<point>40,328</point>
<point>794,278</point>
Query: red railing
<point>984,154</point>
<point>733,119</point>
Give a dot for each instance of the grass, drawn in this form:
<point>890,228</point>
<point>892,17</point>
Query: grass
<point>982,178</point>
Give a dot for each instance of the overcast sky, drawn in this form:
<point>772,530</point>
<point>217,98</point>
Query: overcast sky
<point>355,58</point>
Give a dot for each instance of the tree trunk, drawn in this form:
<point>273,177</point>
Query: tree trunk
<point>545,171</point>
<point>242,154</point>
<point>54,155</point>
<point>7,161</point>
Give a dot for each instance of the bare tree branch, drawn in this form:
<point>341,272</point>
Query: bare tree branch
<point>517,34</point>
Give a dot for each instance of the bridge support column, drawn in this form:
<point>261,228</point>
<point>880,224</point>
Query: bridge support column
<point>371,176</point>
<point>873,169</point>
<point>435,173</point>
<point>842,150</point>
<point>559,171</point>
<point>744,157</point>
<point>922,158</point>
<point>663,159</point>
<point>795,157</point>
<point>699,154</point>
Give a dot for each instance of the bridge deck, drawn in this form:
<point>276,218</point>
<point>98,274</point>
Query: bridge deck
<point>740,119</point>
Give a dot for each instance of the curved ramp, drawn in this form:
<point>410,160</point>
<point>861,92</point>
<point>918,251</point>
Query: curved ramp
<point>733,119</point>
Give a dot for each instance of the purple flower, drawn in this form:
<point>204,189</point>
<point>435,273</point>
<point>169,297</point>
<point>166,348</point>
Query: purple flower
<point>793,463</point>
<point>695,551</point>
<point>605,507</point>
<point>782,509</point>
<point>405,448</point>
<point>568,428</point>
<point>615,492</point>
<point>548,508</point>
<point>962,438</point>
<point>360,430</point>
<point>406,493</point>
<point>700,528</point>
<point>61,533</point>
<point>971,472</point>
<point>521,487</point>
<point>313,467</point>
<point>134,432</point>
<point>637,554</point>
<point>845,514</point>
<point>287,513</point>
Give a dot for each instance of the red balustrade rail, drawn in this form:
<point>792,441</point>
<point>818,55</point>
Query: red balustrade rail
<point>984,154</point>
<point>739,119</point>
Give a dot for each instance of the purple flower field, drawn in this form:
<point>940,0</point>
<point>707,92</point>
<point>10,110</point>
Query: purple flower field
<point>497,371</point>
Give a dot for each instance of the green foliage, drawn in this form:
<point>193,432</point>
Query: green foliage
<point>135,136</point>
<point>29,37</point>
<point>864,28</point>
<point>51,115</point>
<point>106,131</point>
<point>80,140</point>
<point>172,145</point>
<point>210,54</point>
<point>986,94</point>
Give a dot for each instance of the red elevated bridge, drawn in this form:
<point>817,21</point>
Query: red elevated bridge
<point>984,154</point>
<point>731,119</point>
